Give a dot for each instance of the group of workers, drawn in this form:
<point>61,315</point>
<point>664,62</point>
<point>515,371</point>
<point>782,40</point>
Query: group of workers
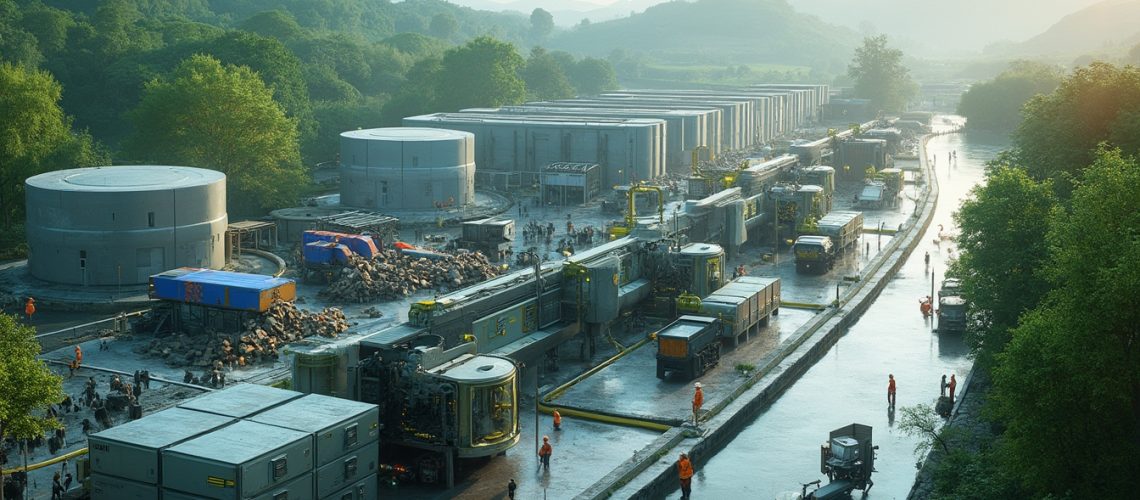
<point>892,388</point>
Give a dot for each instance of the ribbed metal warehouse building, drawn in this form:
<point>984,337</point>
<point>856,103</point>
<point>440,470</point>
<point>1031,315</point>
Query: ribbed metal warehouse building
<point>739,112</point>
<point>512,151</point>
<point>120,225</point>
<point>713,119</point>
<point>683,128</point>
<point>407,168</point>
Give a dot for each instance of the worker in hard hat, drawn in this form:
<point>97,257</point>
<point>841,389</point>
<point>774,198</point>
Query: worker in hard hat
<point>545,451</point>
<point>29,308</point>
<point>78,356</point>
<point>698,401</point>
<point>557,420</point>
<point>685,473</point>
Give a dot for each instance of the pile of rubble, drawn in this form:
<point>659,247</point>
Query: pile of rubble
<point>391,275</point>
<point>258,342</point>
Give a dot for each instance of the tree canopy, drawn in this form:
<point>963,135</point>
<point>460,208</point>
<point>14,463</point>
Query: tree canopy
<point>222,118</point>
<point>545,78</point>
<point>482,73</point>
<point>27,386</point>
<point>996,104</point>
<point>880,76</point>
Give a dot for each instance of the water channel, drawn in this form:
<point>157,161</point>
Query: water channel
<point>780,449</point>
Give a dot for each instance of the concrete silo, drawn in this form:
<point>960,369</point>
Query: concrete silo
<point>120,225</point>
<point>400,168</point>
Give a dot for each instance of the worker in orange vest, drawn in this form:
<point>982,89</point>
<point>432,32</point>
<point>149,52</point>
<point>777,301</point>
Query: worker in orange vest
<point>698,400</point>
<point>29,308</point>
<point>953,385</point>
<point>891,390</point>
<point>685,472</point>
<point>557,420</point>
<point>78,356</point>
<point>545,451</point>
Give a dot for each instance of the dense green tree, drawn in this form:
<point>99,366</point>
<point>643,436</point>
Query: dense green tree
<point>1067,388</point>
<point>996,104</point>
<point>326,85</point>
<point>27,388</point>
<point>345,55</point>
<point>1003,250</point>
<point>541,23</point>
<point>16,44</point>
<point>880,76</point>
<point>277,24</point>
<point>592,76</point>
<point>417,96</point>
<point>342,116</point>
<point>444,25</point>
<point>48,25</point>
<point>222,118</point>
<point>1060,131</point>
<point>416,45</point>
<point>482,73</point>
<point>36,135</point>
<point>544,77</point>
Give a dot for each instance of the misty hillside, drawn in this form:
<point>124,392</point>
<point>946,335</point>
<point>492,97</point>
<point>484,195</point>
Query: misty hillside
<point>938,28</point>
<point>1105,25</point>
<point>718,32</point>
<point>565,12</point>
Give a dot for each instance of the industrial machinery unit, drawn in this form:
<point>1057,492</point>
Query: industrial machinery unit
<point>952,307</point>
<point>569,182</point>
<point>742,306</point>
<point>407,168</point>
<point>120,225</point>
<point>814,254</point>
<point>847,459</point>
<point>689,347</point>
<point>490,236</point>
<point>703,265</point>
<point>452,402</point>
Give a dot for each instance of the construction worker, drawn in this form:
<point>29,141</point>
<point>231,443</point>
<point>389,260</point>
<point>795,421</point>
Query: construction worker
<point>545,451</point>
<point>943,392</point>
<point>685,473</point>
<point>511,487</point>
<point>926,306</point>
<point>557,420</point>
<point>698,400</point>
<point>29,309</point>
<point>953,385</point>
<point>891,390</point>
<point>78,356</point>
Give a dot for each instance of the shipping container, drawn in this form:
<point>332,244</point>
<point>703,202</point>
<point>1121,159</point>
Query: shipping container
<point>339,426</point>
<point>770,303</point>
<point>239,461</point>
<point>131,450</point>
<point>300,488</point>
<point>230,290</point>
<point>105,487</point>
<point>359,244</point>
<point>364,489</point>
<point>325,252</point>
<point>347,469</point>
<point>241,400</point>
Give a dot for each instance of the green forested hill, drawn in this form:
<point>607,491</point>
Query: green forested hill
<point>719,32</point>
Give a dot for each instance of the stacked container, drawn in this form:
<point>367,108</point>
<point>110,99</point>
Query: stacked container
<point>240,401</point>
<point>345,436</point>
<point>246,460</point>
<point>126,461</point>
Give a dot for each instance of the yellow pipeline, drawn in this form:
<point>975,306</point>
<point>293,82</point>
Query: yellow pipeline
<point>552,395</point>
<point>609,419</point>
<point>52,461</point>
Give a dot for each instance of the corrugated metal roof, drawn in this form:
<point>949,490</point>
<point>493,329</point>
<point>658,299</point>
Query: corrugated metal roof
<point>227,278</point>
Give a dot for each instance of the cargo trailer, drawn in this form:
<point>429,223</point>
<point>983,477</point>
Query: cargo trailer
<point>224,289</point>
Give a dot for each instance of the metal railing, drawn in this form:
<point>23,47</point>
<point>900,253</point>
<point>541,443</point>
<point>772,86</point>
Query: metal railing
<point>84,328</point>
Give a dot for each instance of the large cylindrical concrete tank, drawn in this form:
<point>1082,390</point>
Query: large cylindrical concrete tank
<point>407,168</point>
<point>120,225</point>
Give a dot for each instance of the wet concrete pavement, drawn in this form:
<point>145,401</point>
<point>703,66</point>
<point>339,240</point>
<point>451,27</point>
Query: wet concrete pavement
<point>780,449</point>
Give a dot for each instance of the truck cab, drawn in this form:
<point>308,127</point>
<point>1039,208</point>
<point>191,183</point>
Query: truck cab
<point>814,254</point>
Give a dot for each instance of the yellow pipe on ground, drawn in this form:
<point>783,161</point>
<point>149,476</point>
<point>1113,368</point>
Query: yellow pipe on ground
<point>552,395</point>
<point>45,463</point>
<point>608,419</point>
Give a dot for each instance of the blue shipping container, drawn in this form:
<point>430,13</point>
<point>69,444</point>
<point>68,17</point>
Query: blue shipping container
<point>241,291</point>
<point>325,252</point>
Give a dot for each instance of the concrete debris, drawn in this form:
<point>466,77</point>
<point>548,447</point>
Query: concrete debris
<point>259,342</point>
<point>391,275</point>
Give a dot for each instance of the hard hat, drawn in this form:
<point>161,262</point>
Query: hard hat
<point>31,299</point>
<point>697,385</point>
<point>546,438</point>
